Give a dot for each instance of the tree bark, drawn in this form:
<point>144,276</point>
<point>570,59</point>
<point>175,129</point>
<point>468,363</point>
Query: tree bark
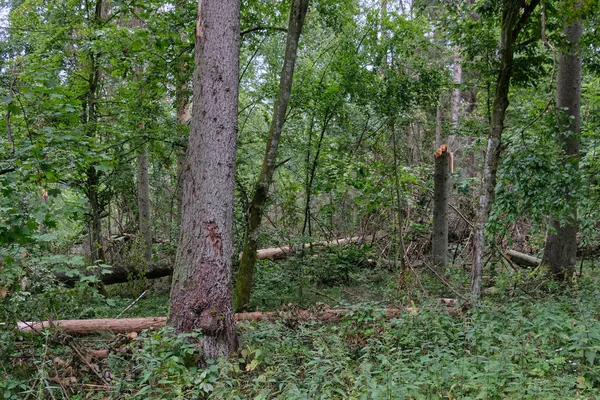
<point>201,295</point>
<point>261,191</point>
<point>511,25</point>
<point>441,191</point>
<point>560,250</point>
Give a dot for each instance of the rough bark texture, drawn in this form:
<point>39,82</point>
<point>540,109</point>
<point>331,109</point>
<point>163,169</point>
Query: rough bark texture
<point>512,23</point>
<point>261,191</point>
<point>143,184</point>
<point>201,293</point>
<point>560,250</point>
<point>441,191</point>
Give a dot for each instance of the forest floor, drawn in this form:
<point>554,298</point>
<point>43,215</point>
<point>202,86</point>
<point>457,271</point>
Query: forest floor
<point>527,340</point>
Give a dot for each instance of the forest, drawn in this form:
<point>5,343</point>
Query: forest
<point>299,199</point>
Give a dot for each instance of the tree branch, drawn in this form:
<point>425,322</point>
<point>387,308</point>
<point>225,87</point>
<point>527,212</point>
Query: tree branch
<point>262,28</point>
<point>524,18</point>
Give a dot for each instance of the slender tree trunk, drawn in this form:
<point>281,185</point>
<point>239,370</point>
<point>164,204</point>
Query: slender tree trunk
<point>261,191</point>
<point>560,250</point>
<point>89,120</point>
<point>182,109</point>
<point>144,201</point>
<point>201,296</point>
<point>511,24</point>
<point>456,93</point>
<point>143,182</point>
<point>441,191</point>
<point>95,228</point>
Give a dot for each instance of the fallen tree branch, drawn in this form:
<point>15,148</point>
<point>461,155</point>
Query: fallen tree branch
<point>124,325</point>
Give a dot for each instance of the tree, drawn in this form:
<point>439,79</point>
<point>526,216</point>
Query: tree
<point>261,191</point>
<point>201,292</point>
<point>512,23</point>
<point>441,191</point>
<point>560,249</point>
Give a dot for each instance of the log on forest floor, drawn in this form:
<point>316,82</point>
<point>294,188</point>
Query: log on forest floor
<point>124,273</point>
<point>522,259</point>
<point>125,325</point>
<point>121,274</point>
<point>275,253</point>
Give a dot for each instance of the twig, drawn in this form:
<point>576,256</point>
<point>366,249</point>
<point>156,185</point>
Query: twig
<point>445,282</point>
<point>324,295</point>
<point>132,304</point>
<point>512,264</point>
<point>549,45</point>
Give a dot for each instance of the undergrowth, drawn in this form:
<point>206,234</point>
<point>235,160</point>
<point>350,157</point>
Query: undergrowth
<point>525,341</point>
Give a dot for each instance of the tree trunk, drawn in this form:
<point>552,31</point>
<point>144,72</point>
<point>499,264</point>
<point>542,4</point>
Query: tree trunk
<point>182,109</point>
<point>441,191</point>
<point>261,191</point>
<point>144,201</point>
<point>511,25</point>
<point>143,182</point>
<point>201,295</point>
<point>456,93</point>
<point>560,250</point>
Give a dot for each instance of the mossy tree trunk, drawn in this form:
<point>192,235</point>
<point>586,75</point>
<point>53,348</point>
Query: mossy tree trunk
<point>261,191</point>
<point>512,23</point>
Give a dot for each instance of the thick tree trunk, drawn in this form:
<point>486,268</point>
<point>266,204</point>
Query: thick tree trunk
<point>201,295</point>
<point>441,191</point>
<point>511,25</point>
<point>144,201</point>
<point>560,250</point>
<point>261,191</point>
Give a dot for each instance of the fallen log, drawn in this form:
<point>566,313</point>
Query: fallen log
<point>125,325</point>
<point>121,274</point>
<point>126,273</point>
<point>275,253</point>
<point>522,259</point>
